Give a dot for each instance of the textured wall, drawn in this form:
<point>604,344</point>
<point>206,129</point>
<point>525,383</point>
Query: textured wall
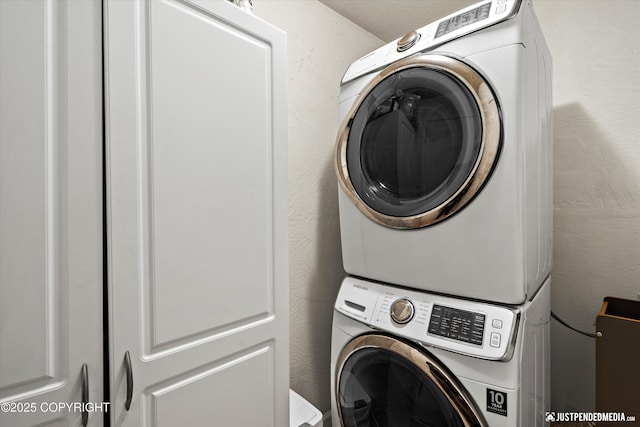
<point>597,177</point>
<point>321,45</point>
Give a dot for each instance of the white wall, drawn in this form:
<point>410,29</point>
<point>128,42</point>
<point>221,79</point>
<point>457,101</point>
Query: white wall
<point>321,45</point>
<point>597,177</point>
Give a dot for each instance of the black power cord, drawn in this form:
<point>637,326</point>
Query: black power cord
<point>562,322</point>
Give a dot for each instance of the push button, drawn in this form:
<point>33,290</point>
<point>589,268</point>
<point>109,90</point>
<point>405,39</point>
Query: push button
<point>497,323</point>
<point>501,8</point>
<point>495,339</point>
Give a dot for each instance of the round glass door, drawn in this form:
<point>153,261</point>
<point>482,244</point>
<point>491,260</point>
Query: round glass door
<point>385,382</point>
<point>420,142</point>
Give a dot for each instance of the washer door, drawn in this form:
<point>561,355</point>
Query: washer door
<point>382,381</point>
<point>420,142</point>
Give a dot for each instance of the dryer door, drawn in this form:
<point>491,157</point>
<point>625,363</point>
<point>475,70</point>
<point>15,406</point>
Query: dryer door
<point>420,142</point>
<point>384,381</point>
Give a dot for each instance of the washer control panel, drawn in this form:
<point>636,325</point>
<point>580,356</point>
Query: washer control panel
<point>468,327</point>
<point>457,324</point>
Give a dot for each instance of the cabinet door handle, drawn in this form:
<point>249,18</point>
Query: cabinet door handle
<point>85,394</point>
<point>129,372</point>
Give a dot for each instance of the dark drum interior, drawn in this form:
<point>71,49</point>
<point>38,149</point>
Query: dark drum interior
<point>414,141</point>
<point>379,388</point>
<point>426,149</point>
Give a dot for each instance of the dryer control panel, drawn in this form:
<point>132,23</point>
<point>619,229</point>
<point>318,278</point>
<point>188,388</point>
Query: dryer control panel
<point>466,21</point>
<point>473,328</point>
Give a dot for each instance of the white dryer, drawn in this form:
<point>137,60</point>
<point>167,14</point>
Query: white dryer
<point>444,157</point>
<point>402,358</point>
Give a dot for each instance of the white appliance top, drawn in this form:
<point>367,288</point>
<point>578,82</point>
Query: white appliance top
<point>301,412</point>
<point>472,328</point>
<point>468,20</point>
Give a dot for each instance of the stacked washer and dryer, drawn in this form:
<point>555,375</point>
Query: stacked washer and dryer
<point>444,160</point>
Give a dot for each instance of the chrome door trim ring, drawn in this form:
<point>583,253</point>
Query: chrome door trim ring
<point>450,387</point>
<point>490,142</point>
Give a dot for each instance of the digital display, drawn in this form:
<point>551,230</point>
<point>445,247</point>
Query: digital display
<point>464,19</point>
<point>456,324</point>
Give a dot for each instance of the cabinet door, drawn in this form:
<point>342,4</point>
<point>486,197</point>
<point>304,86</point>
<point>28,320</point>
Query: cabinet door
<point>51,272</point>
<point>197,215</point>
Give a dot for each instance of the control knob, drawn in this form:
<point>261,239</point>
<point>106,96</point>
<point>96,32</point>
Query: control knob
<point>402,311</point>
<point>407,41</point>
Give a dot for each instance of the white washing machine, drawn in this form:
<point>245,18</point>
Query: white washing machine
<point>402,358</point>
<point>444,157</point>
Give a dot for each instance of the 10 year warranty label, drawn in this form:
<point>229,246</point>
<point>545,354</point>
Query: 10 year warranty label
<point>497,402</point>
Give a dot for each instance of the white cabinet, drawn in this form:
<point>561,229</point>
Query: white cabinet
<point>51,264</point>
<point>197,222</point>
<point>195,274</point>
